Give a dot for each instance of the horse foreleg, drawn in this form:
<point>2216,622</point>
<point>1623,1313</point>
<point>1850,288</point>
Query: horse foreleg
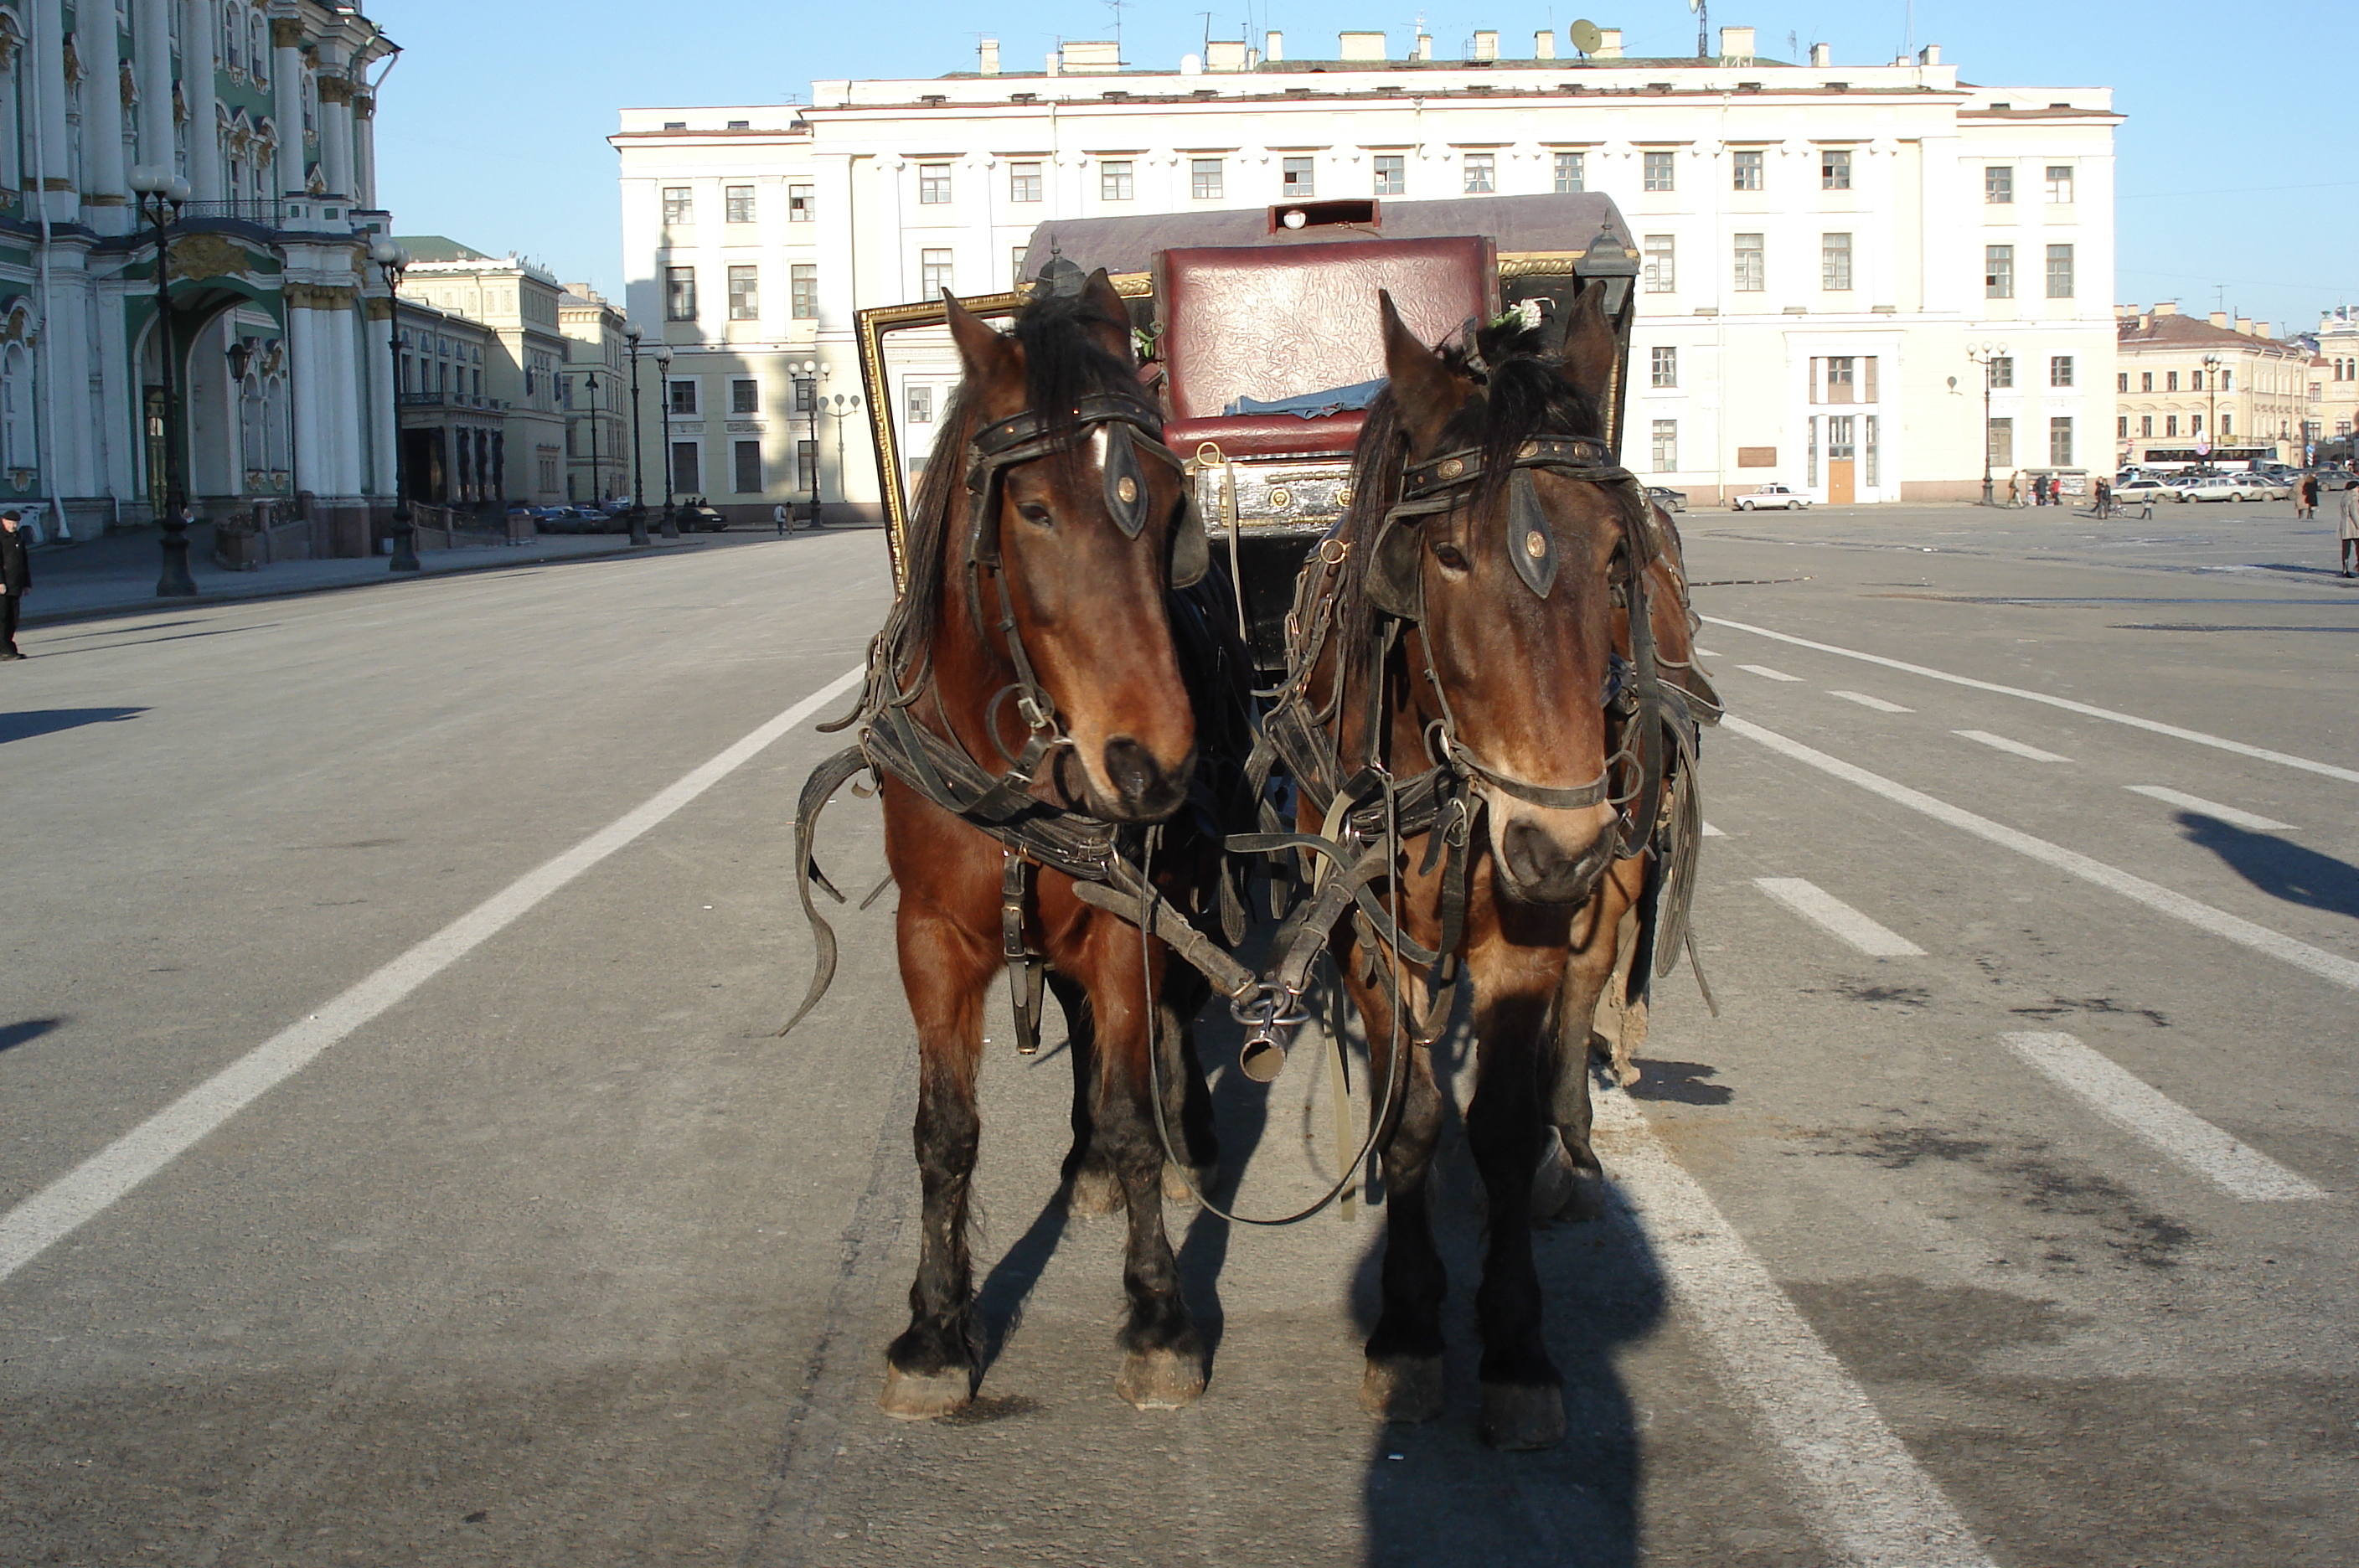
<point>1091,1187</point>
<point>1403,1379</point>
<point>1571,1183</point>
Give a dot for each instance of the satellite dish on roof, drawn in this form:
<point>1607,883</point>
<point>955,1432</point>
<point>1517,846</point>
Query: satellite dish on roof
<point>1584,36</point>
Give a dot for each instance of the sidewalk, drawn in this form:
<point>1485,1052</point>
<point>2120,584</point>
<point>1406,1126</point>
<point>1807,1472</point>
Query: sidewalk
<point>117,574</point>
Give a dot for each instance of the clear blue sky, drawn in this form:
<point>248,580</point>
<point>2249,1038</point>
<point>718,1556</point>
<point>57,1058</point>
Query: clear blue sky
<point>2239,162</point>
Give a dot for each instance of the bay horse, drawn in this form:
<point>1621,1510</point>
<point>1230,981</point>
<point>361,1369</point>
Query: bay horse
<point>1028,705</point>
<point>1466,626</point>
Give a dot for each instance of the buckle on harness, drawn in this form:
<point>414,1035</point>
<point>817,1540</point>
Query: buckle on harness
<point>1270,1016</point>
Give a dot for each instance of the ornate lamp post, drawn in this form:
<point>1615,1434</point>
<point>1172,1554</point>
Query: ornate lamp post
<point>392,261</point>
<point>2212,364</point>
<point>663,368</point>
<point>1987,355</point>
<point>846,404</point>
<point>638,483</point>
<point>161,193</point>
<point>807,375</point>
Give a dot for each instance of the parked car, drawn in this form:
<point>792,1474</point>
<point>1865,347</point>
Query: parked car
<point>2139,489</point>
<point>1772,496</point>
<point>699,517</point>
<point>1667,499</point>
<point>2266,486</point>
<point>2221,487</point>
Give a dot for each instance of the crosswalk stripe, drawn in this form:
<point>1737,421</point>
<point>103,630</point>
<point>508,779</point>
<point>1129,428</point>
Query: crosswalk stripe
<point>1829,913</point>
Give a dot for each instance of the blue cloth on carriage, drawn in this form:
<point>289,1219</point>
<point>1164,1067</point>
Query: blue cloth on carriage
<point>1311,405</point>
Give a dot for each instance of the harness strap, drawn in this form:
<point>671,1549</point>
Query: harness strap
<point>818,789</point>
<point>1024,967</point>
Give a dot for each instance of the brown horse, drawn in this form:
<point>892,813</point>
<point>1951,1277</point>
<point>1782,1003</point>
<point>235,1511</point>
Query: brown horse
<point>1034,653</point>
<point>1470,611</point>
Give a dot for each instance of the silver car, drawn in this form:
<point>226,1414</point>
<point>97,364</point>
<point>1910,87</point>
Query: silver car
<point>1772,496</point>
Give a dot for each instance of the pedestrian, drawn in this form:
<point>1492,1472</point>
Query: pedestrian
<point>2104,500</point>
<point>2305,496</point>
<point>2350,544</point>
<point>2014,490</point>
<point>784,518</point>
<point>16,576</point>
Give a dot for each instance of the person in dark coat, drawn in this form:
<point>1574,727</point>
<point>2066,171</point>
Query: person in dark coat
<point>2305,496</point>
<point>16,577</point>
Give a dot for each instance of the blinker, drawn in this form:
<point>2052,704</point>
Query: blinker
<point>1533,543</point>
<point>1125,484</point>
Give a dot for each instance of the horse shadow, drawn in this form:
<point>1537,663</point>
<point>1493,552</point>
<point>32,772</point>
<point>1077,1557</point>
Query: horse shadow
<point>16,1034</point>
<point>49,720</point>
<point>2281,870</point>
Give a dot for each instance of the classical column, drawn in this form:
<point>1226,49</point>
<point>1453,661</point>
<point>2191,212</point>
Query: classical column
<point>364,150</point>
<point>306,395</point>
<point>101,111</point>
<point>377,369</point>
<point>73,438</point>
<point>56,156</point>
<point>287,99</point>
<point>151,43</point>
<point>197,86</point>
<point>336,134</point>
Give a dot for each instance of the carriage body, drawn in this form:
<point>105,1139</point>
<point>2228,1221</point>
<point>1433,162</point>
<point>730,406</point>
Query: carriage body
<point>1240,309</point>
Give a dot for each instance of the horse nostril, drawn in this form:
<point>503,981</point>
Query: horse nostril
<point>1543,872</point>
<point>1139,781</point>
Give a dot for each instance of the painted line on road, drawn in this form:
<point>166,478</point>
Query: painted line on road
<point>2132,1102</point>
<point>2067,703</point>
<point>1831,914</point>
<point>2153,895</point>
<point>63,1206</point>
<point>1861,1491</point>
<point>2015,746</point>
<point>1709,653</point>
<point>1767,673</point>
<point>1712,832</point>
<point>1864,701</point>
<point>2228,814</point>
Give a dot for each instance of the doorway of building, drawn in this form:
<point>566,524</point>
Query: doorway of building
<point>1842,453</point>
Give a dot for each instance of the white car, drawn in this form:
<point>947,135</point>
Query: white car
<point>2145,488</point>
<point>2223,487</point>
<point>1776,495</point>
<point>2266,486</point>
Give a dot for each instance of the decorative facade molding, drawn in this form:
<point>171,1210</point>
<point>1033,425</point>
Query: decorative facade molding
<point>209,256</point>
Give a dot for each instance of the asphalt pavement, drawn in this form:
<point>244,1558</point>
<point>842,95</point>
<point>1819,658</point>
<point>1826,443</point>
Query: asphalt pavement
<point>399,1162</point>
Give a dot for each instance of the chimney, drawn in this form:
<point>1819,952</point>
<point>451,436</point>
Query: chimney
<point>1736,43</point>
<point>1092,57</point>
<point>2145,321</point>
<point>1225,54</point>
<point>2261,330</point>
<point>1930,55</point>
<point>1360,45</point>
<point>2244,325</point>
<point>989,63</point>
<point>1423,48</point>
<point>1822,55</point>
<point>1486,45</point>
<point>1053,62</point>
<point>1544,45</point>
<point>2165,307</point>
<point>1609,44</point>
<point>1274,46</point>
<point>2220,318</point>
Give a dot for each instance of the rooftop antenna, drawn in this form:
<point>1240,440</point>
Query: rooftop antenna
<point>1702,9</point>
<point>1117,7</point>
<point>1208,30</point>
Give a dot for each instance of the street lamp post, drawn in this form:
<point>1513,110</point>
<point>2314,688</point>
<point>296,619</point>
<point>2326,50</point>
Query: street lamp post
<point>807,373</point>
<point>663,368</point>
<point>161,193</point>
<point>1987,355</point>
<point>2212,363</point>
<point>392,261</point>
<point>846,404</point>
<point>638,479</point>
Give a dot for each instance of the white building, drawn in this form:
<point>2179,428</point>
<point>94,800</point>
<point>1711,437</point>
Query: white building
<point>1824,244</point>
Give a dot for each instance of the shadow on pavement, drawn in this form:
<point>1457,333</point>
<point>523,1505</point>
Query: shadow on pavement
<point>49,720</point>
<point>2280,869</point>
<point>16,1034</point>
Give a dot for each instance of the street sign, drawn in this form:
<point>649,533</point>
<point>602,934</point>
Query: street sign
<point>2203,446</point>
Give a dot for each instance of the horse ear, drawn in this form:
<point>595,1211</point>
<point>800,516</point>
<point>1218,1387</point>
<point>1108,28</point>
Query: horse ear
<point>985,353</point>
<point>1423,388</point>
<point>1107,318</point>
<point>1590,349</point>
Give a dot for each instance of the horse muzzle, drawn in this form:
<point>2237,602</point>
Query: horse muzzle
<point>1542,864</point>
<point>1136,787</point>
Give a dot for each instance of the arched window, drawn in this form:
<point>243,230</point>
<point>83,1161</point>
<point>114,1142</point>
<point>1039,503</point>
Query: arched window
<point>257,48</point>
<point>232,36</point>
<point>253,427</point>
<point>16,449</point>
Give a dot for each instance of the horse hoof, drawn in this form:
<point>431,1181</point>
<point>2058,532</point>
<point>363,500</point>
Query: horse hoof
<point>1092,1192</point>
<point>1175,1182</point>
<point>1160,1379</point>
<point>1403,1388</point>
<point>1521,1416</point>
<point>924,1396</point>
<point>1564,1193</point>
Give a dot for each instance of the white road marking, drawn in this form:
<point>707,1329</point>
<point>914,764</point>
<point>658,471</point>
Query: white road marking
<point>2155,897</point>
<point>2163,1122</point>
<point>2017,746</point>
<point>2228,814</point>
<point>1707,653</point>
<point>63,1206</point>
<point>1712,832</point>
<point>2067,703</point>
<point>1823,909</point>
<point>1879,703</point>
<point>1860,1489</point>
<point>1767,673</point>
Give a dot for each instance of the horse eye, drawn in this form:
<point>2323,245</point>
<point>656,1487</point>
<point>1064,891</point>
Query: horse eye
<point>1034,513</point>
<point>1451,556</point>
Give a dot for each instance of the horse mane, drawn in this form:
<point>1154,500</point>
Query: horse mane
<point>1520,391</point>
<point>1063,365</point>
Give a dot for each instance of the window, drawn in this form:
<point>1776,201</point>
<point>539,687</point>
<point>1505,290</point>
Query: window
<point>2060,184</point>
<point>2060,370</point>
<point>1482,171</point>
<point>2227,381</point>
<point>2060,272</point>
<point>2122,428</point>
<point>1998,184</point>
<point>2145,424</point>
<point>1843,437</point>
<point>744,297</point>
<point>1661,264</point>
<point>678,205</point>
<point>2146,380</point>
<point>2194,424</point>
<point>1015,266</point>
<point>1870,421</point>
<point>1662,171</point>
<point>921,404</point>
<point>684,467</point>
<point>1114,181</point>
<point>933,184</point>
<point>1999,272</point>
<point>1666,367</point>
<point>1835,262</point>
<point>1751,265</point>
<point>2002,444</point>
<point>1392,173</point>
<point>798,203</point>
<point>1834,170</point>
<point>738,202</point>
<point>803,291</point>
<point>1745,171</point>
<point>2122,382</point>
<point>1297,178</point>
<point>1666,446</point>
<point>807,466</point>
<point>2171,380</point>
<point>748,455</point>
<point>1023,182</point>
<point>806,394</point>
<point>1842,381</point>
<point>2002,370</point>
<point>933,271</point>
<point>683,396</point>
<point>745,396</point>
<point>2060,443</point>
<point>1571,173</point>
<point>679,293</point>
<point>1204,182</point>
<point>2227,426</point>
<point>2169,425</point>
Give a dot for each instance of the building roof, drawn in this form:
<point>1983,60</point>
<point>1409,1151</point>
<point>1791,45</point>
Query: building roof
<point>438,247</point>
<point>2167,329</point>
